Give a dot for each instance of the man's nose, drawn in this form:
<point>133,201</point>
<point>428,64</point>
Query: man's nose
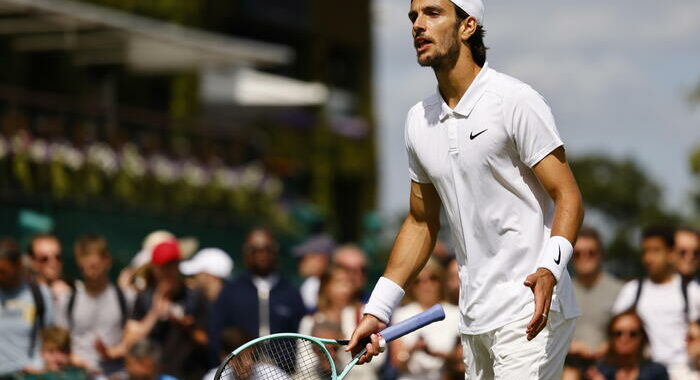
<point>418,25</point>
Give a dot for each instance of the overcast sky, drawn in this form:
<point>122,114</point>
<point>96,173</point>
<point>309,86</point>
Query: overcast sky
<point>615,73</point>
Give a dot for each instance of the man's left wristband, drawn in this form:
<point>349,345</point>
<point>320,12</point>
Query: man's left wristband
<point>384,299</point>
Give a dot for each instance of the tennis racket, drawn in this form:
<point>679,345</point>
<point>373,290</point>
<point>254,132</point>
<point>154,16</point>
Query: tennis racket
<point>302,357</point>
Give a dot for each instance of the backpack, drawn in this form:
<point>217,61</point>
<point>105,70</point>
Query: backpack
<point>121,299</point>
<point>39,319</point>
<point>685,281</point>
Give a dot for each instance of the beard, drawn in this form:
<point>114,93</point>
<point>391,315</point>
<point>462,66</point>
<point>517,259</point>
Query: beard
<point>442,59</point>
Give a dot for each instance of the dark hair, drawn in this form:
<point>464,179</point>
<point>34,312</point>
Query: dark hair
<point>87,244</point>
<point>10,252</point>
<point>232,338</point>
<point>476,40</point>
<point>30,246</point>
<point>610,356</point>
<point>144,349</point>
<point>666,234</point>
<point>592,233</point>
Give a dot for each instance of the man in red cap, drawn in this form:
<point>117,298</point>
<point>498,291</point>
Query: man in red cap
<point>171,315</point>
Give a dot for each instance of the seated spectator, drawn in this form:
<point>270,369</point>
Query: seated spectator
<point>59,363</point>
<point>423,355</point>
<point>627,341</point>
<point>96,310</point>
<point>314,257</point>
<point>596,292</point>
<point>25,308</point>
<point>354,260</point>
<point>260,301</point>
<point>143,362</point>
<point>210,268</point>
<point>687,252</point>
<point>663,301</point>
<point>170,315</point>
<point>47,264</point>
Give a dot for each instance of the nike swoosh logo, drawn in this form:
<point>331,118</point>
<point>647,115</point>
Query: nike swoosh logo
<point>558,259</point>
<point>472,136</point>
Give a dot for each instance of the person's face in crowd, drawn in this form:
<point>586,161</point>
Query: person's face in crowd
<point>141,368</point>
<point>47,261</point>
<point>340,290</point>
<point>94,266</point>
<point>260,253</point>
<point>587,256</point>
<point>687,250</point>
<point>10,274</point>
<point>313,264</point>
<point>627,336</point>
<point>54,359</point>
<point>452,281</point>
<point>426,288</point>
<point>435,32</point>
<point>167,277</point>
<point>355,263</point>
<point>656,257</point>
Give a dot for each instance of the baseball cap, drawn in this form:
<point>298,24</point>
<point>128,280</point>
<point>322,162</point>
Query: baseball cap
<point>187,246</point>
<point>165,252</point>
<point>317,244</point>
<point>213,261</point>
<point>473,7</point>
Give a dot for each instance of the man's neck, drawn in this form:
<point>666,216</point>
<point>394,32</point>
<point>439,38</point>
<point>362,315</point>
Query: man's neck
<point>454,81</point>
<point>97,286</point>
<point>663,278</point>
<point>213,290</point>
<point>588,280</point>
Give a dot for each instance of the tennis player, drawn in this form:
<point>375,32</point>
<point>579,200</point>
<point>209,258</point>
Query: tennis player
<point>485,147</point>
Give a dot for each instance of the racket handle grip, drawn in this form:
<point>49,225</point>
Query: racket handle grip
<point>434,314</point>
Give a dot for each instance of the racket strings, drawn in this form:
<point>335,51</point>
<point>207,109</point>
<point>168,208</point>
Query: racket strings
<point>280,359</point>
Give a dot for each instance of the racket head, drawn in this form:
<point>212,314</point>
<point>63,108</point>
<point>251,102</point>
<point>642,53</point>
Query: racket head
<point>281,357</point>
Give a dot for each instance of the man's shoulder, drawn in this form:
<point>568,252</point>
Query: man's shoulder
<point>510,89</point>
<point>429,103</point>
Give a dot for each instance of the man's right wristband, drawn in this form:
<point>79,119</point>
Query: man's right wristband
<point>384,299</point>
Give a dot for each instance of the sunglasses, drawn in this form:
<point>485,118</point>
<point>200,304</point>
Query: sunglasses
<point>45,259</point>
<point>431,278</point>
<point>689,252</point>
<point>630,333</point>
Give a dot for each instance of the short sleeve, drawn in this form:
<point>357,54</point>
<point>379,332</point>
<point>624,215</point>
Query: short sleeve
<point>532,125</point>
<point>415,170</point>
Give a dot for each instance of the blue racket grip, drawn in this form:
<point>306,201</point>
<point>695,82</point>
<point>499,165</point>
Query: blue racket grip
<point>434,314</point>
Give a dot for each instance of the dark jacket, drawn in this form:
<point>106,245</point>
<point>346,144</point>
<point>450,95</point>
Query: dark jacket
<point>648,370</point>
<point>237,306</point>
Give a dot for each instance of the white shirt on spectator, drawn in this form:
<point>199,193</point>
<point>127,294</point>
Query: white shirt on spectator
<point>661,308</point>
<point>439,337</point>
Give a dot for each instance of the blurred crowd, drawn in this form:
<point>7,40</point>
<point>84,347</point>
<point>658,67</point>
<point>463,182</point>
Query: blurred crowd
<point>176,312</point>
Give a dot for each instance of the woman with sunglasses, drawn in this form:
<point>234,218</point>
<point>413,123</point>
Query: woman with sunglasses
<point>423,355</point>
<point>625,358</point>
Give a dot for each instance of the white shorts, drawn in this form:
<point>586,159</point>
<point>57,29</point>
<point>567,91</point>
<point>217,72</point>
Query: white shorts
<point>506,354</point>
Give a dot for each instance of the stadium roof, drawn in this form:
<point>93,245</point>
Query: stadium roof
<point>97,35</point>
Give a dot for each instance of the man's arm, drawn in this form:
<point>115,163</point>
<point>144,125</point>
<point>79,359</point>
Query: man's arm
<point>412,248</point>
<point>554,174</point>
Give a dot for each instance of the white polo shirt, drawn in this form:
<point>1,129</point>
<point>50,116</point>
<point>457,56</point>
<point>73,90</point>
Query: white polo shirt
<point>479,158</point>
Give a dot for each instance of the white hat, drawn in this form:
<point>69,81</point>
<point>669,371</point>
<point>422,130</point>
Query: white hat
<point>473,7</point>
<point>209,260</point>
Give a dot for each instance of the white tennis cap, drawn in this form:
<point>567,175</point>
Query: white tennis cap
<point>473,7</point>
<point>209,260</point>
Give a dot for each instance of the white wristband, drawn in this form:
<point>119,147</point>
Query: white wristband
<point>556,255</point>
<point>385,297</point>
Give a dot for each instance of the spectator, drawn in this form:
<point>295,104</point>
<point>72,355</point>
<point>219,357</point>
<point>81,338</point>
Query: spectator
<point>662,302</point>
<point>595,292</point>
<point>314,257</point>
<point>687,252</point>
<point>171,315</point>
<point>627,341</point>
<point>231,339</point>
<point>56,355</point>
<point>423,355</point>
<point>96,310</point>
<point>25,308</point>
<point>47,264</point>
<point>144,362</point>
<point>452,282</point>
<point>693,347</point>
<point>210,267</point>
<point>337,305</point>
<point>442,253</point>
<point>260,301</point>
<point>351,258</point>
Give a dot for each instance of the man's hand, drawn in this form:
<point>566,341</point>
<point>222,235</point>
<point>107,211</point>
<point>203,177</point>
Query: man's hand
<point>368,326</point>
<point>542,285</point>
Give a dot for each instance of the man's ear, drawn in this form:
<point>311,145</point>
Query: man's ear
<point>467,28</point>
